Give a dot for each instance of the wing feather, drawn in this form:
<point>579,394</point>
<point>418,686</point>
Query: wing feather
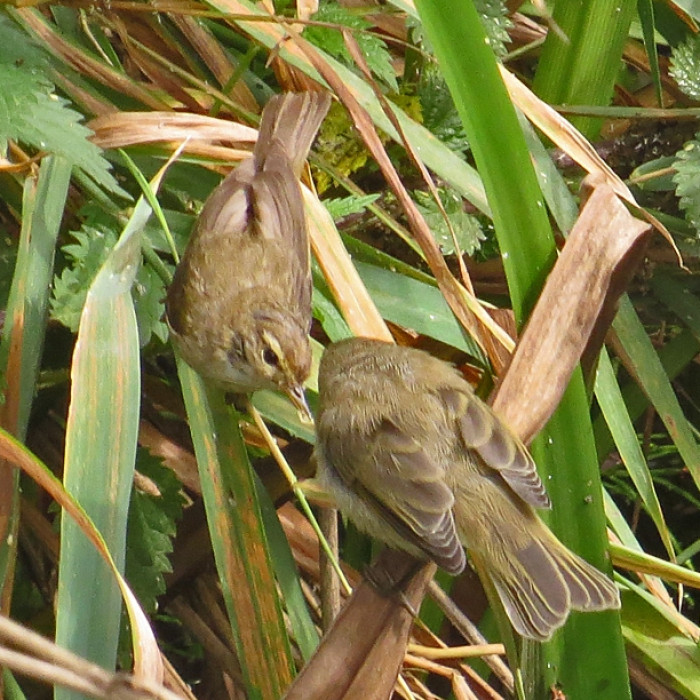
<point>393,473</point>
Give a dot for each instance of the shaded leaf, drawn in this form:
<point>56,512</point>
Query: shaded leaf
<point>466,228</point>
<point>87,255</point>
<point>338,208</point>
<point>331,40</point>
<point>685,66</point>
<point>438,107</point>
<point>687,179</point>
<point>151,527</point>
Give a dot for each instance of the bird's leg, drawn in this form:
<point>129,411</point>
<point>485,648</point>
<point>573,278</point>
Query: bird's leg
<point>389,584</point>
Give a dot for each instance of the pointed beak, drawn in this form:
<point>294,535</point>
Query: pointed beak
<point>298,398</point>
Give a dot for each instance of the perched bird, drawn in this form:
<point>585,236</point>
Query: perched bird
<point>414,458</point>
<point>239,306</point>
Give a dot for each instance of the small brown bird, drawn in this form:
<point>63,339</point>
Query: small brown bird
<point>239,306</point>
<point>414,458</point>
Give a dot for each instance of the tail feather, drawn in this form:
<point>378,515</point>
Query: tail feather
<point>533,591</point>
<point>530,616</point>
<point>589,588</point>
<point>290,122</point>
<point>540,583</point>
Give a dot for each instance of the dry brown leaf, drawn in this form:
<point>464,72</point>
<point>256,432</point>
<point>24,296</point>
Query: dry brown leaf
<point>216,59</point>
<point>120,129</point>
<point>581,289</point>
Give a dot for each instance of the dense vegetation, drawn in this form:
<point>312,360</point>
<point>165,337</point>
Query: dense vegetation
<point>441,176</point>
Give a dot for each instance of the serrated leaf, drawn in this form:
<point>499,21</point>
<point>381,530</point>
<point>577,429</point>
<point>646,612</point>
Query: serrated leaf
<point>466,228</point>
<point>439,113</point>
<point>149,293</point>
<point>685,66</point>
<point>494,17</point>
<point>344,206</point>
<point>31,113</point>
<point>16,47</point>
<point>87,255</point>
<point>687,179</point>
<point>152,526</point>
<point>331,40</point>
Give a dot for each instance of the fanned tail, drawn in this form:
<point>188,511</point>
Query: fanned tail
<point>543,581</point>
<point>290,122</point>
<point>538,580</point>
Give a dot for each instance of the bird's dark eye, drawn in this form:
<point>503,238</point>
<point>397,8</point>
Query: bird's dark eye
<point>270,357</point>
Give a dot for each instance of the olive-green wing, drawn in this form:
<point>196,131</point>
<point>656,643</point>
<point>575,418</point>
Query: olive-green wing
<point>393,474</point>
<point>499,448</point>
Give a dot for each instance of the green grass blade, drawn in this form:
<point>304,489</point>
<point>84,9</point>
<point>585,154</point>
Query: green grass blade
<point>652,378</point>
<point>101,438</point>
<point>490,121</point>
<point>239,541</point>
<point>581,68</point>
<point>25,325</point>
<point>645,8</point>
<point>42,211</point>
<point>675,355</point>
<point>575,658</point>
<point>305,633</point>
<point>565,451</point>
<point>655,641</point>
<point>614,410</point>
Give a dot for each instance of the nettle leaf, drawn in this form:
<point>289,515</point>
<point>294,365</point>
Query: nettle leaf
<point>85,256</point>
<point>685,66</point>
<point>19,48</point>
<point>153,514</point>
<point>439,113</point>
<point>687,179</point>
<point>345,206</point>
<point>149,292</point>
<point>32,114</point>
<point>331,40</point>
<point>466,228</point>
<point>494,17</point>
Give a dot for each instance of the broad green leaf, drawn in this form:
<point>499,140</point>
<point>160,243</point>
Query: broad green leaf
<point>101,436</point>
<point>580,62</point>
<point>238,538</point>
<point>565,451</point>
<point>416,305</point>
